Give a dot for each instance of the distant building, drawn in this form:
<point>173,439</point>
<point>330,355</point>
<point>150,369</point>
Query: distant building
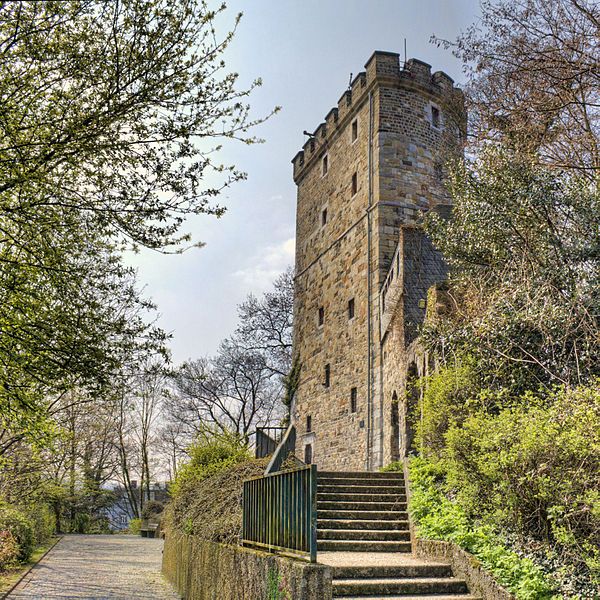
<point>365,178</point>
<point>120,512</point>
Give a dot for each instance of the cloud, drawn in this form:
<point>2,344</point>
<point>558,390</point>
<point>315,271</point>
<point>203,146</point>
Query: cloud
<point>266,265</point>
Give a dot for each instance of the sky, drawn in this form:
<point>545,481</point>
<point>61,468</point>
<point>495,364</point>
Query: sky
<point>304,52</point>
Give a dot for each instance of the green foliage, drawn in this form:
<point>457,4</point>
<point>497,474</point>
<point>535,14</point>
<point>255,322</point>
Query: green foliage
<point>273,580</point>
<point>291,382</point>
<point>446,400</point>
<point>437,518</point>
<point>21,527</point>
<point>9,549</point>
<point>44,523</point>
<point>206,497</point>
<point>135,526</point>
<point>211,453</point>
<point>534,468</point>
<point>393,467</point>
<point>152,509</point>
<point>524,244</point>
<point>111,113</point>
<point>275,586</point>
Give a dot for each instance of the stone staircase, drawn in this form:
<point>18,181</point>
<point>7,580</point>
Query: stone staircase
<point>363,534</point>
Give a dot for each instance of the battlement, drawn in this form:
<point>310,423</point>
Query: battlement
<point>382,68</point>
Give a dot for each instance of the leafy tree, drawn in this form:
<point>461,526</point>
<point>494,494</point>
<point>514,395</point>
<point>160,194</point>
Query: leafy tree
<point>524,243</point>
<point>68,325</point>
<point>534,79</point>
<point>111,109</point>
<point>111,115</point>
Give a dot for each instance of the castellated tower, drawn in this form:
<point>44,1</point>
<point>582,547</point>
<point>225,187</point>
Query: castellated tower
<point>363,266</point>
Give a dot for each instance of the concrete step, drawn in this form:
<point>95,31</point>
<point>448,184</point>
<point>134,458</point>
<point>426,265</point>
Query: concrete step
<point>362,546</point>
<point>393,571</point>
<point>383,586</point>
<point>352,497</point>
<point>419,597</point>
<point>358,475</point>
<point>370,515</point>
<point>400,525</point>
<point>363,534</point>
<point>382,482</point>
<point>360,489</point>
<point>370,506</point>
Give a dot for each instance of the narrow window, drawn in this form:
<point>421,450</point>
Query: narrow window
<point>325,165</point>
<point>353,399</point>
<point>308,424</point>
<point>351,308</point>
<point>354,183</point>
<point>308,454</point>
<point>327,381</point>
<point>321,316</point>
<point>354,130</point>
<point>324,217</point>
<point>435,116</point>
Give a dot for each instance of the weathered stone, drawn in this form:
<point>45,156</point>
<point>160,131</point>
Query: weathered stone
<point>379,177</point>
<point>464,565</point>
<point>202,570</point>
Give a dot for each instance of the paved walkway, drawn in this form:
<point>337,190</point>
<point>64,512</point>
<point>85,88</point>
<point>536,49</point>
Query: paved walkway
<point>98,567</point>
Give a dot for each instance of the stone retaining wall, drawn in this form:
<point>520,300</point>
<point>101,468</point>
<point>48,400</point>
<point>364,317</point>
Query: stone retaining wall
<point>203,570</point>
<point>464,565</point>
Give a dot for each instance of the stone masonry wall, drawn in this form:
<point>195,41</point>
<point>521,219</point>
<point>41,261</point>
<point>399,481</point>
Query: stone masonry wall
<point>202,570</point>
<point>332,250</point>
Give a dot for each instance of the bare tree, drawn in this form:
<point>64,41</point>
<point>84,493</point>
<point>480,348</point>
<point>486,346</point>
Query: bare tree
<point>140,409</point>
<point>534,79</point>
<point>235,391</point>
<point>266,324</point>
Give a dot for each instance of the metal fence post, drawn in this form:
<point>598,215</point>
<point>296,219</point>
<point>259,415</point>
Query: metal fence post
<point>313,513</point>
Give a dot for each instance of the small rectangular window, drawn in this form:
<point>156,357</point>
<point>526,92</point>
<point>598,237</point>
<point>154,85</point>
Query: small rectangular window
<point>321,316</point>
<point>308,454</point>
<point>354,130</point>
<point>327,381</point>
<point>353,399</point>
<point>351,308</point>
<point>308,424</point>
<point>354,183</point>
<point>435,116</point>
<point>324,217</point>
<point>325,165</point>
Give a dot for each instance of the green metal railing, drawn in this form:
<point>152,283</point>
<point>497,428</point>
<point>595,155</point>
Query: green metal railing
<point>280,512</point>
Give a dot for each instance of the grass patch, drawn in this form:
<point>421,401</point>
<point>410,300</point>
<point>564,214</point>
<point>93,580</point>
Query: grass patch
<point>12,575</point>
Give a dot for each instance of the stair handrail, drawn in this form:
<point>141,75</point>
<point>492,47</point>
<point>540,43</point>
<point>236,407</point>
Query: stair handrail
<point>279,512</point>
<point>286,446</point>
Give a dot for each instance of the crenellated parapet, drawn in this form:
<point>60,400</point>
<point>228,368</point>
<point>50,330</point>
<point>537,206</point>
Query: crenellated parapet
<point>383,68</point>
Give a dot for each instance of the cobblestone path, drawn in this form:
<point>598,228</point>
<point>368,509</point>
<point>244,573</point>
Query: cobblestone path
<point>95,567</point>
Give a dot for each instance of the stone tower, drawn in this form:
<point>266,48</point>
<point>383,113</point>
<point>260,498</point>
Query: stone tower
<point>363,265</point>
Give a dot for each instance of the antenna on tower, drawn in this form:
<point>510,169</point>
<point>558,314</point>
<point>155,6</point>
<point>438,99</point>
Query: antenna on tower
<point>350,82</point>
<point>405,53</point>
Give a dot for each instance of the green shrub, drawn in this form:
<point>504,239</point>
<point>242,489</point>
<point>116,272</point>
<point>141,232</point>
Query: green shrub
<point>152,509</point>
<point>212,453</point>
<point>44,523</point>
<point>209,505</point>
<point>21,528</point>
<point>534,469</point>
<point>9,550</point>
<point>135,526</point>
<point>449,396</point>
<point>438,518</point>
<point>393,467</point>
